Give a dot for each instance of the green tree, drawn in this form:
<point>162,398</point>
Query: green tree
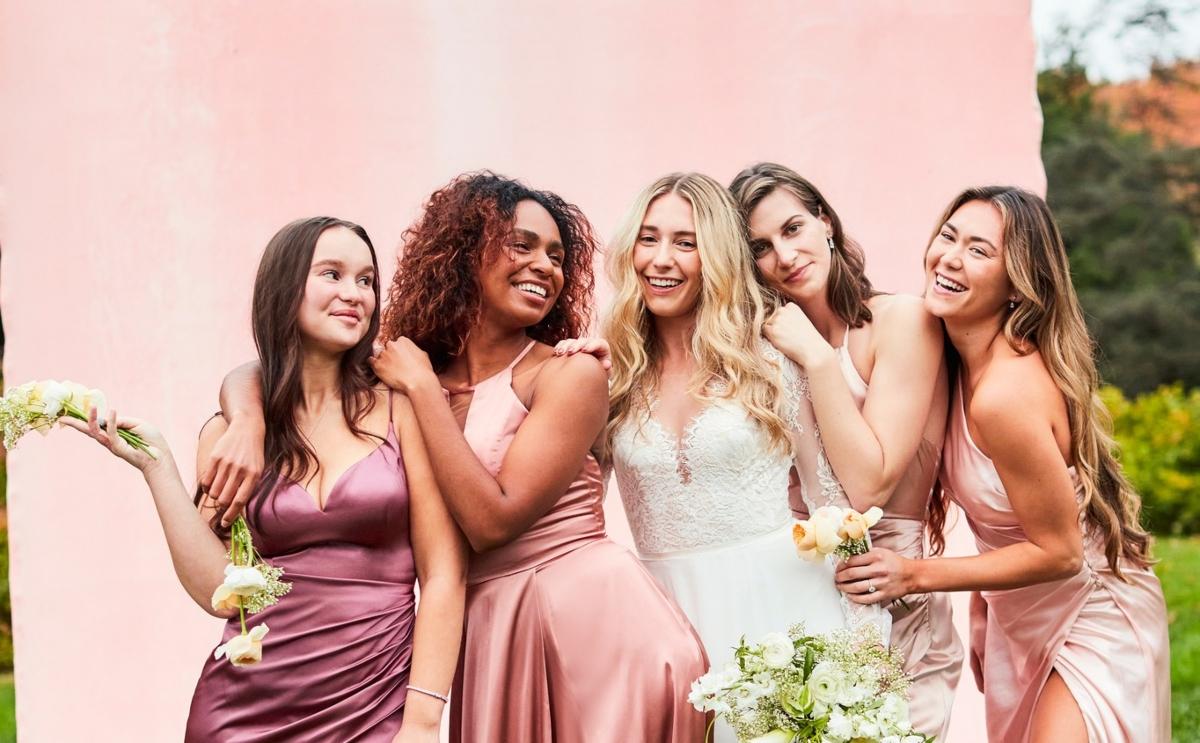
<point>1129,216</point>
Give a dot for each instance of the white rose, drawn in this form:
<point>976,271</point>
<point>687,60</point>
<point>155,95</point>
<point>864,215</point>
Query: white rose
<point>868,729</point>
<point>840,726</point>
<point>775,736</point>
<point>778,650</point>
<point>872,515</point>
<point>826,683</point>
<point>244,650</point>
<point>224,598</point>
<point>51,396</point>
<point>826,522</point>
<point>243,580</point>
<point>893,711</point>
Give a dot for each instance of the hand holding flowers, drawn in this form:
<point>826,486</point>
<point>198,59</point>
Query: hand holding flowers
<point>832,530</point>
<point>880,569</point>
<point>36,406</point>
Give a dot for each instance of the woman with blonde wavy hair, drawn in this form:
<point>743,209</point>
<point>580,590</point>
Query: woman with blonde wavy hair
<point>1068,626</point>
<point>706,420</point>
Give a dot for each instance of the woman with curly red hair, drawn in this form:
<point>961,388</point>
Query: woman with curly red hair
<point>492,274</point>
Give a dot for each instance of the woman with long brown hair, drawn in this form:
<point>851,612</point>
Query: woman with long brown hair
<point>877,381</point>
<point>347,506</point>
<point>1069,635</point>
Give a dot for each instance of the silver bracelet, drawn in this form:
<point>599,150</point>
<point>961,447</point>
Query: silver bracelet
<point>444,697</point>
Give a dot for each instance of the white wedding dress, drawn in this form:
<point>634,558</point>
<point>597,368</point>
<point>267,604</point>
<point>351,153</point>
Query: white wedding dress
<point>710,518</point>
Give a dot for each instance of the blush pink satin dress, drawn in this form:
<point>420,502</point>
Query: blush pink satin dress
<point>924,632</point>
<point>568,638</point>
<point>335,663</point>
<point>1106,637</point>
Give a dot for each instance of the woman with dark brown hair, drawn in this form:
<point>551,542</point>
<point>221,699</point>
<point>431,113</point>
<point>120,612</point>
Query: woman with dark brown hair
<point>347,506</point>
<point>877,380</point>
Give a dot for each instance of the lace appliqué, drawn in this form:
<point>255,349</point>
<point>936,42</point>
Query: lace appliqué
<point>721,482</point>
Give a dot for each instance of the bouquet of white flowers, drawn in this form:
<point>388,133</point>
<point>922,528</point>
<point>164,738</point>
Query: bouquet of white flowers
<point>800,688</point>
<point>37,406</point>
<point>250,586</point>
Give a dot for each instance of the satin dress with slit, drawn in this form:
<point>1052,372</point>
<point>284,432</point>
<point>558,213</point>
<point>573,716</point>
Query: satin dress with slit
<point>336,659</point>
<point>567,638</point>
<point>1106,637</point>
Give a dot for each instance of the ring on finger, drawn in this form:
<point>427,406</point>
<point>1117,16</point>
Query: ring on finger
<point>870,588</point>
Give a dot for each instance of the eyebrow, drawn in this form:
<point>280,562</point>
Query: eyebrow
<point>535,237</point>
<point>971,238</point>
<point>337,263</point>
<point>789,220</point>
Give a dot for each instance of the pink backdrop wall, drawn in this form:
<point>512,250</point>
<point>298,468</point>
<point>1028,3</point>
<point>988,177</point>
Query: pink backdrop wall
<point>148,151</point>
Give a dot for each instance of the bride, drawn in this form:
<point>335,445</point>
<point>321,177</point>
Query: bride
<point>706,420</point>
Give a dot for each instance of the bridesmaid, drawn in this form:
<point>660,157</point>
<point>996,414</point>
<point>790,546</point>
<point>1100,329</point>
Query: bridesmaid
<point>567,637</point>
<point>879,392</point>
<point>1069,631</point>
<point>349,509</point>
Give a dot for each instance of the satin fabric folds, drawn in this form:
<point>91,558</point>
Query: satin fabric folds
<point>1106,637</point>
<point>336,659</point>
<point>567,638</point>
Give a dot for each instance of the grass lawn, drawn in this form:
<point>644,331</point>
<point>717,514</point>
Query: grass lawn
<point>8,712</point>
<point>1179,571</point>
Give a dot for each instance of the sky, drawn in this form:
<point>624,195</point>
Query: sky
<point>1110,50</point>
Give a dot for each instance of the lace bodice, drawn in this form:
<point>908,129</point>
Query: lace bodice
<point>722,482</point>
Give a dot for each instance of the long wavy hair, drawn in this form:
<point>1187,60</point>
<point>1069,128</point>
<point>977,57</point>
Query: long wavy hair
<point>729,314</point>
<point>278,292</point>
<point>1047,318</point>
<point>434,299</point>
<point>848,288</point>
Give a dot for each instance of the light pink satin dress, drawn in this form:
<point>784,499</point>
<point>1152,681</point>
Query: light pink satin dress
<point>1107,638</point>
<point>924,632</point>
<point>567,637</point>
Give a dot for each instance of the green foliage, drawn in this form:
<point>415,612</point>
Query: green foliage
<point>1159,436</point>
<point>1179,571</point>
<point>1129,216</point>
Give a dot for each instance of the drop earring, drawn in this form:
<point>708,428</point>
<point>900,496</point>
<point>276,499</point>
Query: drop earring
<point>829,242</point>
<point>1012,304</point>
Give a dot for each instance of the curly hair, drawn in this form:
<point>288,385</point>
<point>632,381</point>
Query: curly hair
<point>434,298</point>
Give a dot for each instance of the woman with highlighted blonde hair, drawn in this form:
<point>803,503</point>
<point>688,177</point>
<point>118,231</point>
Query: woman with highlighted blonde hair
<point>705,422</point>
<point>1068,626</point>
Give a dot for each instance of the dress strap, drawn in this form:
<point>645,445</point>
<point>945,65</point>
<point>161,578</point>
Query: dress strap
<point>524,352</point>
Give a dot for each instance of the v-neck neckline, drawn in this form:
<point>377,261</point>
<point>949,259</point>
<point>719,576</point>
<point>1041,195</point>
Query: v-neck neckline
<point>324,507</point>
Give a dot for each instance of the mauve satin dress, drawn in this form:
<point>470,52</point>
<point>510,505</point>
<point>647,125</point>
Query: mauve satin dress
<point>567,639</point>
<point>336,659</point>
<point>924,631</point>
<point>1107,638</point>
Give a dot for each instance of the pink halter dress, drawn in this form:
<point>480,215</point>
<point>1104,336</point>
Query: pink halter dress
<point>1106,637</point>
<point>567,637</point>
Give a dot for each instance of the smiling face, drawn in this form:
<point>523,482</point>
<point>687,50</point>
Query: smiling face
<point>965,274</point>
<point>666,257</point>
<point>790,246</point>
<point>522,281</point>
<point>339,293</point>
